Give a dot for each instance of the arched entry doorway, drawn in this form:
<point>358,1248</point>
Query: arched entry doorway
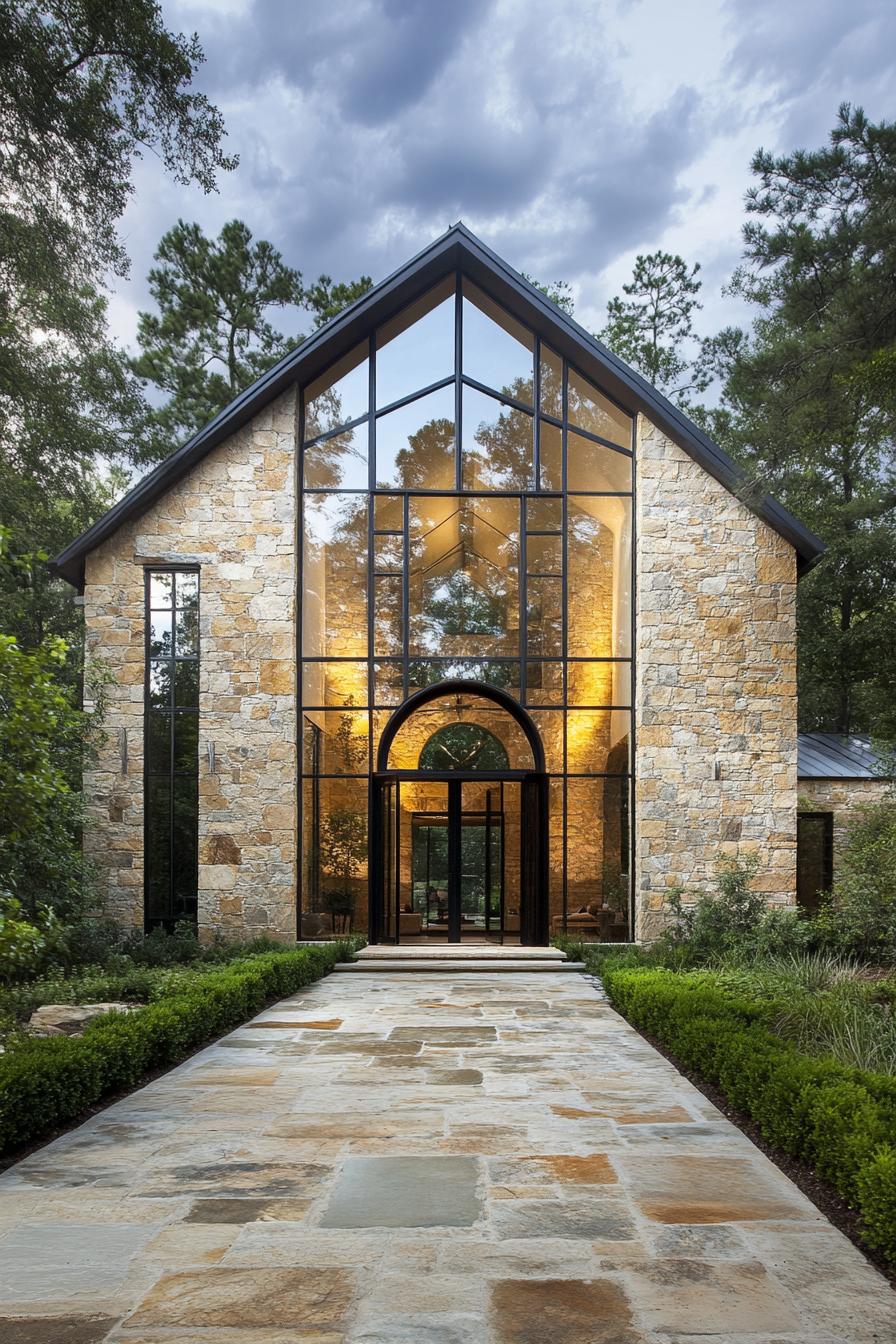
<point>459,812</point>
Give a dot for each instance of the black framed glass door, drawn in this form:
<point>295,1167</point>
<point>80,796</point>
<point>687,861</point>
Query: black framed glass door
<point>454,859</point>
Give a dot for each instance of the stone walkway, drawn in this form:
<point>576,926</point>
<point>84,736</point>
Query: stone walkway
<point>422,1160</point>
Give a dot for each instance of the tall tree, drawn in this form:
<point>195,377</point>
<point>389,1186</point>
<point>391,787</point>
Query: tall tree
<point>652,327</point>
<point>559,292</point>
<point>326,299</point>
<point>213,335</point>
<point>809,401</point>
<point>85,88</point>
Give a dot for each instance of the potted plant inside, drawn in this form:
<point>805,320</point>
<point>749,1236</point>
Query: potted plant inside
<point>343,849</point>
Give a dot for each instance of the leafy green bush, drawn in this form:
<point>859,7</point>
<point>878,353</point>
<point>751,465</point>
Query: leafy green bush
<point>22,941</point>
<point>92,941</point>
<point>838,1119</point>
<point>44,743</point>
<point>122,980</point>
<point>46,1082</point>
<point>733,921</point>
<point>859,916</point>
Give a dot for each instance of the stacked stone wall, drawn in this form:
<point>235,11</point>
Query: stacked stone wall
<point>234,516</point>
<point>716,679</point>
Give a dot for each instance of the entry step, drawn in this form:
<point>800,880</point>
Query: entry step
<point>458,965</point>
<point>459,952</point>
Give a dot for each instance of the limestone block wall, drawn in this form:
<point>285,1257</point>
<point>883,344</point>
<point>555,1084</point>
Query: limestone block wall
<point>234,515</point>
<point>716,678</point>
<point>842,797</point>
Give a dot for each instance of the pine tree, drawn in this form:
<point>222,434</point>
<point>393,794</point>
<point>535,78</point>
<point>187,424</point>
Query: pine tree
<point>809,402</point>
<point>652,328</point>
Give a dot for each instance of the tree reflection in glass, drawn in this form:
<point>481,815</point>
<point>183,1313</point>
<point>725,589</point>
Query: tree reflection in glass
<point>464,576</point>
<point>498,444</point>
<point>415,444</point>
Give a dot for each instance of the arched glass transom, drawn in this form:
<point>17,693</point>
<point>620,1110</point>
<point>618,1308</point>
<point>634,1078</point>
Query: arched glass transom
<point>463,746</point>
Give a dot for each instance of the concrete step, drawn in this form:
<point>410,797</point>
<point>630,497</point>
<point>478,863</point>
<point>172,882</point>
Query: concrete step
<point>458,966</point>
<point>459,952</point>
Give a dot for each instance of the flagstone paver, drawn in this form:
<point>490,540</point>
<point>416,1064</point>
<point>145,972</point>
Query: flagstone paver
<point>457,1161</point>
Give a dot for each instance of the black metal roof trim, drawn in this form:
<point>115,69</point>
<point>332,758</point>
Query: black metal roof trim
<point>838,756</point>
<point>458,248</point>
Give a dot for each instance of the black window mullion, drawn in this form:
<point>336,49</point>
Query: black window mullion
<point>458,384</point>
<point>523,579</point>
<point>536,384</point>
<point>564,618</point>
<point>371,524</point>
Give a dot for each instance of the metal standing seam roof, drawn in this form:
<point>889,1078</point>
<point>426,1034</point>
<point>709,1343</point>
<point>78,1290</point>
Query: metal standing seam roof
<point>458,249</point>
<point>838,756</point>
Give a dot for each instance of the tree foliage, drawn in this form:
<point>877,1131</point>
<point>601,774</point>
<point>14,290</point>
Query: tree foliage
<point>652,328</point>
<point>85,88</point>
<point>326,299</point>
<point>43,746</point>
<point>212,335</point>
<point>809,401</point>
<point>558,291</point>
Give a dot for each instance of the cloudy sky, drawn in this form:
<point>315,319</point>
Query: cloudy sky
<point>569,134</point>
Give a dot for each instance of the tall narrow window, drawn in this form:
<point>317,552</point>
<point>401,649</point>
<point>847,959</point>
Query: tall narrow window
<point>171,740</point>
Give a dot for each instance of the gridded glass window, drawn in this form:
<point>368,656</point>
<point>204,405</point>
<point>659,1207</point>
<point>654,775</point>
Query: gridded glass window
<point>416,349</point>
<point>498,447</point>
<point>498,350</point>
<point>415,445</point>
<point>340,396</point>
<point>338,462</point>
<point>590,410</point>
<point>171,746</point>
<point>472,523</point>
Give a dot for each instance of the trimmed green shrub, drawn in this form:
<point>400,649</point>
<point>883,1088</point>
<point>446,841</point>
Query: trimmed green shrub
<point>876,1186</point>
<point>840,1120</point>
<point>45,1082</point>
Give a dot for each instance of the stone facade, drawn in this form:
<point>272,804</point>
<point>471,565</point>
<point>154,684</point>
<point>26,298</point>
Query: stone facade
<point>842,797</point>
<point>715,676</point>
<point>234,515</point>
<point>716,679</point>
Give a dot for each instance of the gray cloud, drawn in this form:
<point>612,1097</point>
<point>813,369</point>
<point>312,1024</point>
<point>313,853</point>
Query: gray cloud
<point>558,132</point>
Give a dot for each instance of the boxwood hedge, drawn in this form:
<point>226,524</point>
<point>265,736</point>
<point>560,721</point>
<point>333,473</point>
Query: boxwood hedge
<point>47,1081</point>
<point>841,1121</point>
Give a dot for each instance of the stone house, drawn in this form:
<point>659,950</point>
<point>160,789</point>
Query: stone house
<point>449,626</point>
<point>838,775</point>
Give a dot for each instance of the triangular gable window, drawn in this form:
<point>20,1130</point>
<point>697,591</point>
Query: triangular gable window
<point>498,351</point>
<point>416,349</point>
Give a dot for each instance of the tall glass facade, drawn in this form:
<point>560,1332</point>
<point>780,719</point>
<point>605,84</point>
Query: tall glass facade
<point>466,514</point>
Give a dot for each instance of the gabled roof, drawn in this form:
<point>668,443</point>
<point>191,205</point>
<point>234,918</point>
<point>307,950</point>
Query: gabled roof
<point>838,756</point>
<point>458,249</point>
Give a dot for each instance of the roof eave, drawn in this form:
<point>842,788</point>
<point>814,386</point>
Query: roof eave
<point>457,247</point>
